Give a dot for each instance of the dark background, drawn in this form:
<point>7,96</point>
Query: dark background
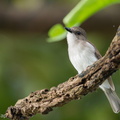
<point>29,63</point>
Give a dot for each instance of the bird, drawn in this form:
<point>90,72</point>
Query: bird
<point>82,54</point>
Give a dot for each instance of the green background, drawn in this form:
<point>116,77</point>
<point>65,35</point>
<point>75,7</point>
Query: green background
<point>29,63</point>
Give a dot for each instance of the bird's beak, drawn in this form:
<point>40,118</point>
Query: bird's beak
<point>68,29</point>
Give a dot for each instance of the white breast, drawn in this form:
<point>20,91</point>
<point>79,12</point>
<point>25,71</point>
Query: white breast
<point>81,54</point>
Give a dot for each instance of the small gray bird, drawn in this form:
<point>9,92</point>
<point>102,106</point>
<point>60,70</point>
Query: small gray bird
<point>83,54</point>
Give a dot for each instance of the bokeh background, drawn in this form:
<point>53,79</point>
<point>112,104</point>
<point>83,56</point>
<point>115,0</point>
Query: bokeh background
<point>29,63</point>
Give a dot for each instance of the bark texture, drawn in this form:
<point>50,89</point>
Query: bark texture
<point>43,101</point>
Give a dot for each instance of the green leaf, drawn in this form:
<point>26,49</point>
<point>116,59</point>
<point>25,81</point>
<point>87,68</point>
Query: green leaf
<point>56,33</point>
<point>85,9</point>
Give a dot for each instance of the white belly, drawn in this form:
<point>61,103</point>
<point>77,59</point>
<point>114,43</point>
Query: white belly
<point>81,57</point>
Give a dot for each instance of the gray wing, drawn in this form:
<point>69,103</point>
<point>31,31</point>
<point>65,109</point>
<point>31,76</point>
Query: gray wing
<point>98,55</point>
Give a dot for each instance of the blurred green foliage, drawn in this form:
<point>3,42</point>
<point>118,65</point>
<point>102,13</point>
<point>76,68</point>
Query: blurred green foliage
<point>28,63</point>
<point>81,12</point>
<point>57,33</point>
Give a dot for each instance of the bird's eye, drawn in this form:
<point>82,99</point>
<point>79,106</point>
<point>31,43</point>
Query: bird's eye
<point>78,33</point>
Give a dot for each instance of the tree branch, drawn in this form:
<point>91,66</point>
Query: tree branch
<point>43,101</point>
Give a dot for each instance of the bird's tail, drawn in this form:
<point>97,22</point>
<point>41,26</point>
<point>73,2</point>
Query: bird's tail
<point>113,99</point>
